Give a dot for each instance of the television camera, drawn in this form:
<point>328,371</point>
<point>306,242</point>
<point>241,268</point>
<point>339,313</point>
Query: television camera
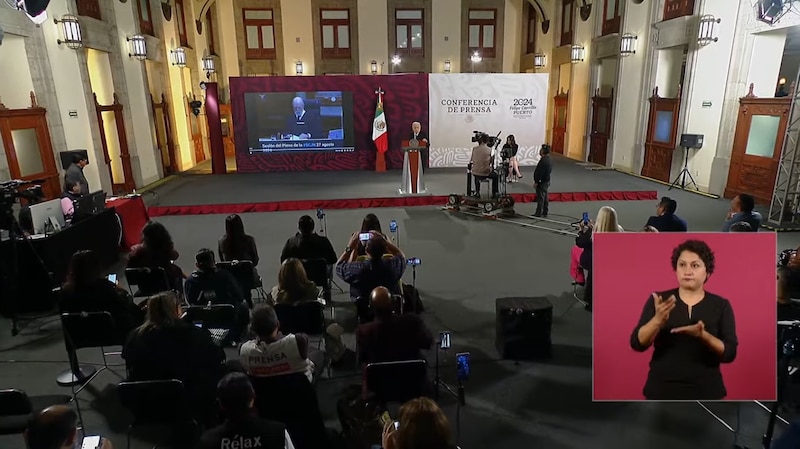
<point>10,193</point>
<point>491,141</point>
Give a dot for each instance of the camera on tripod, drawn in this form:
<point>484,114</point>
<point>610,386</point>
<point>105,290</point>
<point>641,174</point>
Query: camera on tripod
<point>490,140</point>
<point>10,193</point>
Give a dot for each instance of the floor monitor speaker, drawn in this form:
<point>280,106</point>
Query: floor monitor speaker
<point>523,328</point>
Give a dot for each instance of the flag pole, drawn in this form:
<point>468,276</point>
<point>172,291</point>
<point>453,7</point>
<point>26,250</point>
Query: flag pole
<point>380,157</point>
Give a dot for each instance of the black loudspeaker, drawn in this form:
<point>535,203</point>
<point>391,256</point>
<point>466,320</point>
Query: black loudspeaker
<point>66,157</point>
<point>692,141</point>
<point>523,328</point>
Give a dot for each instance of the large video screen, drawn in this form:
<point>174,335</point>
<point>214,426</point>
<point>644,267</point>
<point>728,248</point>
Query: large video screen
<point>299,121</point>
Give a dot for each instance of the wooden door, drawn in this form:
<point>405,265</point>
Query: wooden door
<point>660,141</point>
<point>163,131</point>
<point>226,117</point>
<point>114,139</point>
<point>757,144</point>
<point>25,140</point>
<point>601,127</point>
<point>560,105</point>
<point>196,133</point>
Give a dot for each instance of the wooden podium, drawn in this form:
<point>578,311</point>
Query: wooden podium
<point>412,184</point>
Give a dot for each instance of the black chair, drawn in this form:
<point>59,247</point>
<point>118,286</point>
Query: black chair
<point>16,409</point>
<point>292,400</point>
<point>82,331</point>
<point>218,319</point>
<point>158,403</point>
<point>302,317</point>
<point>397,381</point>
<point>319,272</point>
<point>148,281</point>
<point>245,274</point>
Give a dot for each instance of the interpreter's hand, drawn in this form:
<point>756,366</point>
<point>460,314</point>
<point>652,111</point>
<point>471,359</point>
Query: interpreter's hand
<point>388,437</point>
<point>695,330</point>
<point>663,307</point>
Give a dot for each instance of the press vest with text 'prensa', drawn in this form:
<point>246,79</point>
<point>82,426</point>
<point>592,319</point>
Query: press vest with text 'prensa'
<point>277,358</point>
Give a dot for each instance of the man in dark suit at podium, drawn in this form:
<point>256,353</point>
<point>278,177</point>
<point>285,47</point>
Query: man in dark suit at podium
<point>422,137</point>
<point>303,124</point>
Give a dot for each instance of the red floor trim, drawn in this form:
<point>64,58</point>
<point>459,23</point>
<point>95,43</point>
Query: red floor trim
<point>400,201</point>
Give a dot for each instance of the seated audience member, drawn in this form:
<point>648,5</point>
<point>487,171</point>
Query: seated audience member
<point>741,226</point>
<point>421,424</point>
<point>787,309</point>
<point>307,244</point>
<point>88,290</point>
<point>293,284</point>
<point>649,229</point>
<point>56,427</point>
<point>210,285</point>
<point>789,438</point>
<point>242,426</point>
<point>742,209</point>
<point>166,347</point>
<point>371,223</point>
<point>273,354</point>
<point>25,220</point>
<point>156,250</point>
<point>235,244</point>
<point>665,219</point>
<point>375,271</point>
<point>72,193</point>
<point>606,222</point>
<point>391,337</point>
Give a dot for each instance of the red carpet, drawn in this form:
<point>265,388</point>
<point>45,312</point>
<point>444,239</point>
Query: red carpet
<point>400,201</point>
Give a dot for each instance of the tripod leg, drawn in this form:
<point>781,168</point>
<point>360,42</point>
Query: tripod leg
<point>783,378</point>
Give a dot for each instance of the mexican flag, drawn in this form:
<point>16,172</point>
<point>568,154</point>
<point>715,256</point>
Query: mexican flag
<point>379,132</point>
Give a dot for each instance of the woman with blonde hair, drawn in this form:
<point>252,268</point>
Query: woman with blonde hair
<point>293,284</point>
<point>420,424</point>
<point>167,347</point>
<point>606,221</point>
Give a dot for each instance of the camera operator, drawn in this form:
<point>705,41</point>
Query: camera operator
<point>482,164</point>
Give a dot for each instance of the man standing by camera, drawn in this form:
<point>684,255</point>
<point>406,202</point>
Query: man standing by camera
<point>482,164</point>
<point>541,181</point>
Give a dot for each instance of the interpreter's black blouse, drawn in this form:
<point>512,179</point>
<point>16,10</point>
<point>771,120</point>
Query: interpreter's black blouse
<point>682,366</point>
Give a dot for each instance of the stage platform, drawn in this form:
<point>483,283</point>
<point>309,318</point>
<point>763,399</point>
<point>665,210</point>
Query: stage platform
<point>193,194</point>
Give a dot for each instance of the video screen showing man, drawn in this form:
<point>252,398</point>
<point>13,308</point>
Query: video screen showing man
<point>303,124</point>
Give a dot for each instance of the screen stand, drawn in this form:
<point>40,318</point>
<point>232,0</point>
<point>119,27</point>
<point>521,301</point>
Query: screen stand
<point>413,182</point>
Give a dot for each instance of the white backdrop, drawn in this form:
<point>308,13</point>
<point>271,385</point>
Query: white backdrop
<point>511,103</point>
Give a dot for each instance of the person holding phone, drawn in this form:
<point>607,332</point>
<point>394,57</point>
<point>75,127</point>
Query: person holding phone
<point>56,427</point>
<point>420,424</point>
<point>383,267</point>
<point>607,221</point>
<point>89,289</point>
<point>692,331</point>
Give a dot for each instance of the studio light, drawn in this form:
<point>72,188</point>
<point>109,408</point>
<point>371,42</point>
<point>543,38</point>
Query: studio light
<point>447,66</point>
<point>179,57</point>
<point>627,44</point>
<point>138,47</point>
<point>577,54</point>
<point>34,9</point>
<point>209,66</point>
<point>539,60</point>
<point>373,67</point>
<point>705,34</point>
<point>71,28</point>
<point>782,81</point>
<point>476,57</point>
<point>298,68</point>
<point>771,11</point>
<point>396,59</point>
